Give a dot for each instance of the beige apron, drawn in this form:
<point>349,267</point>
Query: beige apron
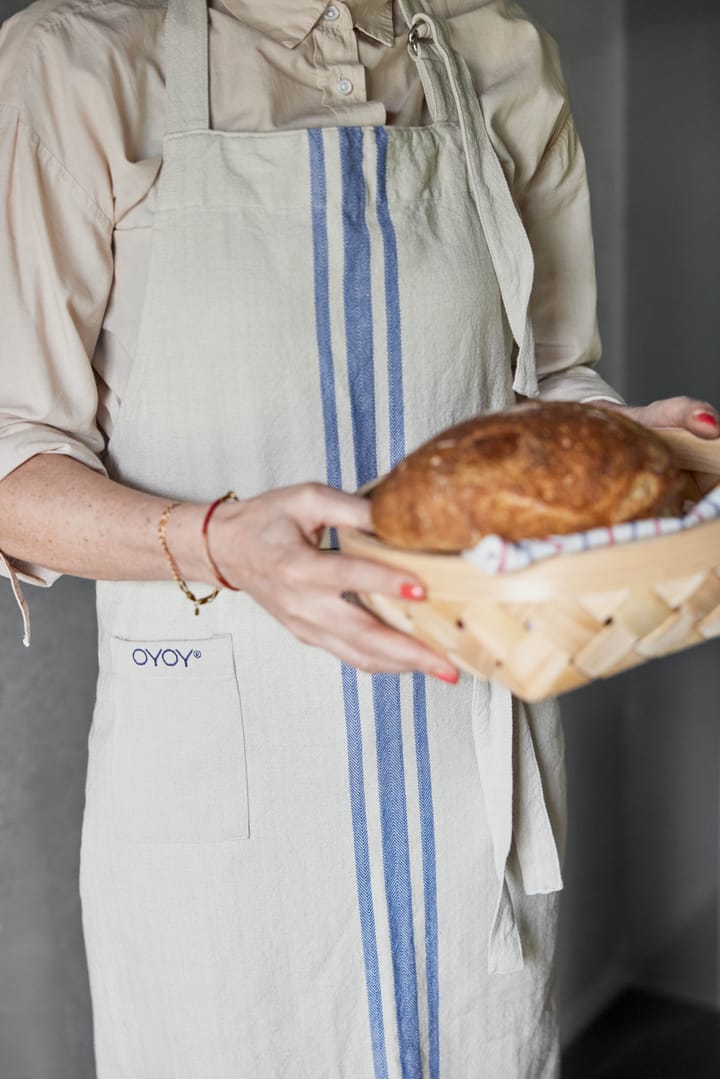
<point>292,870</point>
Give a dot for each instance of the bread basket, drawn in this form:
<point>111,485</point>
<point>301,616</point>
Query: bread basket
<point>563,622</point>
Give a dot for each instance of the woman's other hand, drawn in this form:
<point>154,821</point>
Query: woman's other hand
<point>696,416</point>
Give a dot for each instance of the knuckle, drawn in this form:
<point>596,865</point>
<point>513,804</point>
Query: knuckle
<point>299,627</point>
<point>294,613</point>
<point>302,633</point>
<point>365,664</point>
<point>290,573</point>
<point>308,494</point>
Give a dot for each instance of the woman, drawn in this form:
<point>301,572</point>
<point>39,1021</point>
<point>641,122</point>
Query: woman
<point>267,277</point>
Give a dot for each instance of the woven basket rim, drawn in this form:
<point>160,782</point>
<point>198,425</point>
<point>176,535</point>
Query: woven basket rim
<point>645,561</point>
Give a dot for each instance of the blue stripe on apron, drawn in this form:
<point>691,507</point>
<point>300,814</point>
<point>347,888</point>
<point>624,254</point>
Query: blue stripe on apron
<point>392,305</point>
<point>396,862</point>
<point>427,839</point>
<point>397,452</point>
<point>349,674</point>
<point>358,305</point>
<point>362,868</point>
<point>322,307</point>
<point>386,688</point>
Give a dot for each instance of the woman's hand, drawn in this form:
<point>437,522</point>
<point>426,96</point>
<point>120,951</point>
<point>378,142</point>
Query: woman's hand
<point>696,416</point>
<point>57,513</point>
<point>268,546</point>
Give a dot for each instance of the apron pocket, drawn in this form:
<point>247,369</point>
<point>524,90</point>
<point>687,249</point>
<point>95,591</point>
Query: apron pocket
<point>179,769</point>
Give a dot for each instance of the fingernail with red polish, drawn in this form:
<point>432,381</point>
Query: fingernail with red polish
<point>412,591</point>
<point>447,676</point>
<point>706,417</point>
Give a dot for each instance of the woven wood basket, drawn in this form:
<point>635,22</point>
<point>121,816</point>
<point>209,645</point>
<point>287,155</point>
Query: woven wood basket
<point>563,622</point>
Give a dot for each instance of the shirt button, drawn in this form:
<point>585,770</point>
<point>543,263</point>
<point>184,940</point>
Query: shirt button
<point>331,13</point>
<point>344,87</point>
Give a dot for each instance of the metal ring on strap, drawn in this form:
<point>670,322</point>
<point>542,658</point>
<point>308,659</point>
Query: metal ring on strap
<point>421,30</point>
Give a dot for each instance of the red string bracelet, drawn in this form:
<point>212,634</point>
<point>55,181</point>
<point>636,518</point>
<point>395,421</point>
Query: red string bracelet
<point>229,497</point>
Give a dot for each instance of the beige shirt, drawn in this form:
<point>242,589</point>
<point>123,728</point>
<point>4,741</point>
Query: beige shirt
<point>81,124</point>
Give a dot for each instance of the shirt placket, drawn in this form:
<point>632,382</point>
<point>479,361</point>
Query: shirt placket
<point>340,74</point>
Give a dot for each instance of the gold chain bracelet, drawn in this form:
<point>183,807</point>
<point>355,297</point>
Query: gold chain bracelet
<point>198,601</point>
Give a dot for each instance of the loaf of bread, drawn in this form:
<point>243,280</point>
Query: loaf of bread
<point>536,469</point>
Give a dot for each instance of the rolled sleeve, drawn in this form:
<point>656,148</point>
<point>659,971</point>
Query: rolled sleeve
<point>516,70</point>
<point>555,207</point>
<point>55,278</point>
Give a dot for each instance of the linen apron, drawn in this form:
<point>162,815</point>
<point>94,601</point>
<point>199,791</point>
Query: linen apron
<point>291,869</point>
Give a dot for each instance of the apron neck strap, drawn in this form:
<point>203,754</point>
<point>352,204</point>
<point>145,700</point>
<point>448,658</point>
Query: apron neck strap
<point>410,8</point>
<point>451,96</point>
<point>426,34</point>
<point>186,66</point>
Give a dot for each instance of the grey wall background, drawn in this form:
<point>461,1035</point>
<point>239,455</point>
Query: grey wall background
<point>593,960</point>
<point>671,729</point>
<point>643,865</point>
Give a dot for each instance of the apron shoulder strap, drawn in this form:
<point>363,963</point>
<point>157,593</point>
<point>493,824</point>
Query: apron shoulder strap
<point>186,66</point>
<point>451,96</point>
<point>410,8</point>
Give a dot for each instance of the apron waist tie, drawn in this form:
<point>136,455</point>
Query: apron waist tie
<point>19,597</point>
<point>516,812</point>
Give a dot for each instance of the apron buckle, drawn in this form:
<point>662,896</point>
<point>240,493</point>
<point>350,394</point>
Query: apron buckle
<point>419,31</point>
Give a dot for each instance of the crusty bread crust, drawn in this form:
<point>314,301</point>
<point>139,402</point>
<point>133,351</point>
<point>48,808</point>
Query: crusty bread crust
<point>536,469</point>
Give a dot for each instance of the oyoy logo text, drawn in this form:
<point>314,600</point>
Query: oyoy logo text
<point>164,657</point>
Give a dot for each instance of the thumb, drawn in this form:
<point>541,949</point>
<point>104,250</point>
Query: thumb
<point>696,416</point>
<point>338,509</point>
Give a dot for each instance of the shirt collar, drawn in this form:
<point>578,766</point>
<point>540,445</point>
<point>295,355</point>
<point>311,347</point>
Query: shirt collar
<point>290,21</point>
<point>374,18</point>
